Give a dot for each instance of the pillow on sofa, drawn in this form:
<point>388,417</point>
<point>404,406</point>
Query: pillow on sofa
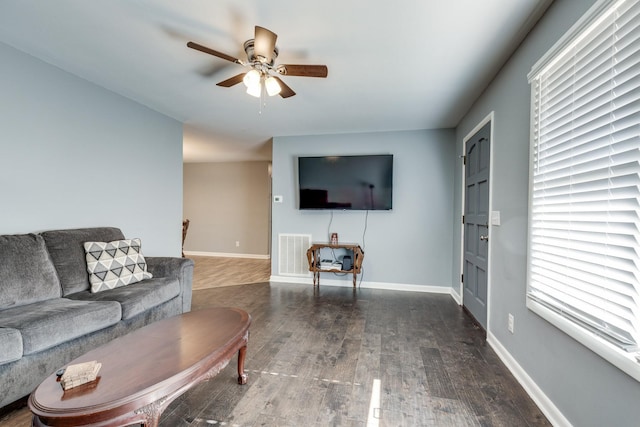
<point>114,264</point>
<point>68,255</point>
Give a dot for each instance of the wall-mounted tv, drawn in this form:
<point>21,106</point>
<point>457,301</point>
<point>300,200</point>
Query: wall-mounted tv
<point>346,182</point>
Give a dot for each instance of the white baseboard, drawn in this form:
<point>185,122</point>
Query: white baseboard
<point>545,404</point>
<point>299,280</point>
<point>456,296</point>
<point>226,255</point>
<point>369,285</point>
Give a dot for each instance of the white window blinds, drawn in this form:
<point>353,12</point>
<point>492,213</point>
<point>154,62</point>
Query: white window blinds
<point>584,224</point>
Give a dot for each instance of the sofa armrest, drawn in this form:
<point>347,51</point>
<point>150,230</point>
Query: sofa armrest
<point>177,268</point>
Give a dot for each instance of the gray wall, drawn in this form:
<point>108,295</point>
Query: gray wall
<point>226,203</point>
<point>76,155</point>
<point>586,389</point>
<point>411,244</point>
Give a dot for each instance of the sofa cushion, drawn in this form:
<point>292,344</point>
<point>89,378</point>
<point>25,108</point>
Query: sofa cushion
<point>137,298</point>
<point>115,264</point>
<point>26,272</point>
<point>48,323</point>
<point>67,253</point>
<point>10,345</point>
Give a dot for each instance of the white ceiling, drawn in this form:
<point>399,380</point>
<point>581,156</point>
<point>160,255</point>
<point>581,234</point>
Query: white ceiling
<point>393,65</point>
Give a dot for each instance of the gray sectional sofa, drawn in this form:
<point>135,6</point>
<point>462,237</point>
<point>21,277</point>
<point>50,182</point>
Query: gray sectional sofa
<point>49,314</point>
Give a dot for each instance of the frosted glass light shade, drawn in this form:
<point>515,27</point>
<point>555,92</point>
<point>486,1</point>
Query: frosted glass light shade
<point>255,89</point>
<point>252,78</point>
<point>272,86</point>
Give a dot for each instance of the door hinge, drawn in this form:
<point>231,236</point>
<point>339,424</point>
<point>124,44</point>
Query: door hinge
<point>464,159</point>
<point>463,219</point>
<point>462,278</point>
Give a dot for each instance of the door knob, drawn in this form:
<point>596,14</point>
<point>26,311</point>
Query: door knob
<point>484,237</point>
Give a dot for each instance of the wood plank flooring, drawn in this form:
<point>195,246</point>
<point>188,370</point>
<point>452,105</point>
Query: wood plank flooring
<point>314,355</point>
<point>213,272</point>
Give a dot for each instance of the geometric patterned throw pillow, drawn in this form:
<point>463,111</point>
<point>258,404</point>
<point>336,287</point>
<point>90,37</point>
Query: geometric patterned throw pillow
<point>114,264</point>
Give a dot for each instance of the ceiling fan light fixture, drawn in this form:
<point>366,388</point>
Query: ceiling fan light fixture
<point>272,86</point>
<point>261,53</point>
<point>255,89</point>
<point>252,78</point>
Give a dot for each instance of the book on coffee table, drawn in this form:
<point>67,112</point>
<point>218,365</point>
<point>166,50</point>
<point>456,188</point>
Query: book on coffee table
<point>78,374</point>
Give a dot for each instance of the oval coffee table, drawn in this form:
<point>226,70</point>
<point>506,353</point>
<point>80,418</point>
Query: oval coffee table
<point>144,371</point>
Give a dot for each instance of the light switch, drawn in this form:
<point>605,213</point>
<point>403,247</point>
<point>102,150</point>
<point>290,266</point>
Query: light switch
<point>277,199</point>
<point>495,217</point>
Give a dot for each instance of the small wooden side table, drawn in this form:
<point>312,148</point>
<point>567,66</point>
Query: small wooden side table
<point>313,256</point>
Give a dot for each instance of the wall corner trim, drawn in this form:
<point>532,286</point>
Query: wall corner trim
<point>544,403</point>
<point>456,296</point>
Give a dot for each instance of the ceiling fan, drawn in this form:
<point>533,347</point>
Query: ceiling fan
<point>261,54</point>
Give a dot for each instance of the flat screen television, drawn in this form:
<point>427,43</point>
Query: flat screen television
<point>346,182</point>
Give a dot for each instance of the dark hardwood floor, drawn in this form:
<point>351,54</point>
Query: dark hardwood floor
<point>315,356</point>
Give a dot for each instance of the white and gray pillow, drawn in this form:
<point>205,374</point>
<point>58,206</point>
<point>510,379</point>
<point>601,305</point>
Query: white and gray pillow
<point>114,264</point>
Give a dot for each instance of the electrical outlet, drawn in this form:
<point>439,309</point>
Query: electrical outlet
<point>237,243</point>
<point>510,323</point>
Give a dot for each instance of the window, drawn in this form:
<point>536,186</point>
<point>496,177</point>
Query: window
<point>584,210</point>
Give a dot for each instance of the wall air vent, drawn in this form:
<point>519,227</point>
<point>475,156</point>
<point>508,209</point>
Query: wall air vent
<point>292,254</point>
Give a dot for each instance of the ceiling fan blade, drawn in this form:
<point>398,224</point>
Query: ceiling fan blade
<point>303,70</point>
<point>264,43</point>
<point>285,91</point>
<point>210,51</point>
<point>232,81</point>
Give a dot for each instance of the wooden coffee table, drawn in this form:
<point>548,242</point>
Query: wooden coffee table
<point>144,371</point>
